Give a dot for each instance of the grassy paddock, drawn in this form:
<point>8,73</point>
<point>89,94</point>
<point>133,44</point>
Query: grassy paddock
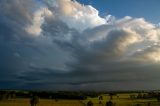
<point>119,100</point>
<point>123,100</point>
<point>42,102</point>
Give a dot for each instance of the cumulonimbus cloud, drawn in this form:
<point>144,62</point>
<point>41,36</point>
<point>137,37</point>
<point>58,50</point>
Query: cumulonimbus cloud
<point>67,39</point>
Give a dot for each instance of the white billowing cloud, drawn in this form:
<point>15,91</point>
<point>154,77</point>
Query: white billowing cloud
<point>115,43</point>
<point>109,40</point>
<point>147,30</point>
<point>38,19</point>
<point>150,54</point>
<point>153,35</point>
<point>122,39</point>
<point>76,15</point>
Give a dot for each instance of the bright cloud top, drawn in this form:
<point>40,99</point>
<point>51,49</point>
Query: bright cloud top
<point>76,15</point>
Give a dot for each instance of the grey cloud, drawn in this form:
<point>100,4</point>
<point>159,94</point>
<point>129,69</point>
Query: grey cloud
<point>15,16</point>
<point>86,80</point>
<point>149,55</point>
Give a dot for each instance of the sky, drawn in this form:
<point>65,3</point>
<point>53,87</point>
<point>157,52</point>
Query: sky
<point>79,45</point>
<point>134,8</point>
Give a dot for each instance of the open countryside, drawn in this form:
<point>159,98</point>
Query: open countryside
<point>69,99</point>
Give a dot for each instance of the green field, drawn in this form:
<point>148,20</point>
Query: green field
<point>124,100</point>
<point>119,100</point>
<point>42,102</point>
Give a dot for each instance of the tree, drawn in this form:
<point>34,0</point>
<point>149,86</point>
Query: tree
<point>4,95</point>
<point>109,103</point>
<point>100,97</point>
<point>89,103</point>
<point>139,96</point>
<point>111,95</point>
<point>34,100</point>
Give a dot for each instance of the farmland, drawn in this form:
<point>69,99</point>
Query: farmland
<point>42,102</point>
<point>122,99</point>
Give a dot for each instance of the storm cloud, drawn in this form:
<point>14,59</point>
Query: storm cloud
<point>65,45</point>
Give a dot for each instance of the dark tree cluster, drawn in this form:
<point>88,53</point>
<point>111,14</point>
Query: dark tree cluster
<point>5,95</point>
<point>61,95</point>
<point>146,95</point>
<point>108,103</point>
<point>78,95</point>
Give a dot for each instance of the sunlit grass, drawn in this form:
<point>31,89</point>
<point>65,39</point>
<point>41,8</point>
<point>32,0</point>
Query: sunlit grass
<point>42,102</point>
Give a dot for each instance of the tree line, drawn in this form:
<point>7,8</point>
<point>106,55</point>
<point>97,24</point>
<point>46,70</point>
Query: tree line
<point>79,95</point>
